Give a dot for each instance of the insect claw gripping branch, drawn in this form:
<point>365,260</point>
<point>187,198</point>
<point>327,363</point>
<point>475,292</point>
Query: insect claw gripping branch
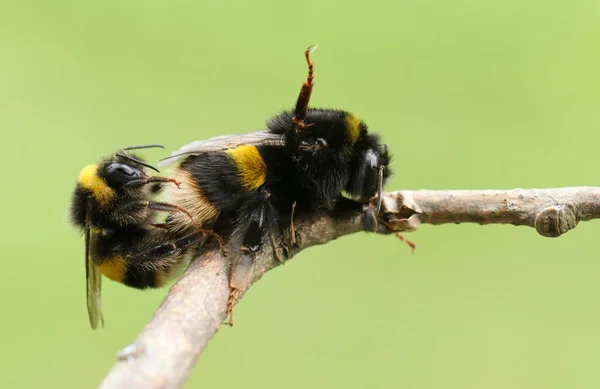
<point>238,276</point>
<point>292,227</point>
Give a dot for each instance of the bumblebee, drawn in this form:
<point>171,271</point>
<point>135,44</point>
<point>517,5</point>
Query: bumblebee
<point>307,159</point>
<point>111,204</point>
<point>247,187</point>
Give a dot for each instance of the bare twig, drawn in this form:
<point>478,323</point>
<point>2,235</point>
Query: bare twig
<point>195,307</point>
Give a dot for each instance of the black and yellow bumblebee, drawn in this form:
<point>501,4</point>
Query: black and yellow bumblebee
<point>309,159</point>
<point>247,188</point>
<point>111,203</point>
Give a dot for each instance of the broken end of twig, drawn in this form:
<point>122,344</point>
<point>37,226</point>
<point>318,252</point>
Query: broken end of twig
<point>400,213</point>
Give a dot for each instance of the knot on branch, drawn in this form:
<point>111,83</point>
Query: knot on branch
<point>555,220</point>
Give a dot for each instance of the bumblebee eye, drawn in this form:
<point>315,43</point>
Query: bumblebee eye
<point>321,142</point>
<point>118,174</point>
<point>313,144</point>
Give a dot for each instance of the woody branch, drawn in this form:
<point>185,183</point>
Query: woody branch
<point>195,307</point>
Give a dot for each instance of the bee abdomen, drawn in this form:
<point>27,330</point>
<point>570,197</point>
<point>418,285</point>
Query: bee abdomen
<point>218,182</point>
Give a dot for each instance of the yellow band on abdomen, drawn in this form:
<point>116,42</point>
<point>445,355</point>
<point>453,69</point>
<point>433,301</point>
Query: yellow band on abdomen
<point>250,165</point>
<point>114,268</point>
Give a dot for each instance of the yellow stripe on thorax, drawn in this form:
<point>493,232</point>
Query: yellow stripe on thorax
<point>89,179</point>
<point>352,127</point>
<point>114,268</point>
<point>250,165</point>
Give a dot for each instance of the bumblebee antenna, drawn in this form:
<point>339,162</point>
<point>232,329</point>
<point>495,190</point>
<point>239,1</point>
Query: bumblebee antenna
<point>304,96</point>
<point>137,161</point>
<point>144,147</point>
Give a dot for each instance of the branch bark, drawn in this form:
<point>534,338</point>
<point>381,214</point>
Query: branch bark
<point>195,307</point>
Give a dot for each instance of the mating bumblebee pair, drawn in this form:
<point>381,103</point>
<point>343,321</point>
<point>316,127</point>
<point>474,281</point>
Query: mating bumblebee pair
<point>247,188</point>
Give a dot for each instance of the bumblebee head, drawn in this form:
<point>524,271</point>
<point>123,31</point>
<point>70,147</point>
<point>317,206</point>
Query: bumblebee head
<point>103,186</point>
<point>369,168</point>
<point>334,151</point>
<point>118,174</point>
<point>328,133</point>
<point>350,143</point>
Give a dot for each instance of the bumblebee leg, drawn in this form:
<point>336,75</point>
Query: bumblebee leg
<point>304,96</point>
<point>237,279</point>
<point>344,205</point>
<point>370,221</point>
<point>169,247</point>
<point>174,209</point>
<point>151,180</point>
<point>166,207</point>
<point>369,214</point>
<point>257,221</point>
<point>369,218</point>
<point>292,228</point>
<point>215,236</point>
<point>142,258</point>
<point>280,250</point>
<point>251,244</point>
<point>408,242</point>
<point>159,260</point>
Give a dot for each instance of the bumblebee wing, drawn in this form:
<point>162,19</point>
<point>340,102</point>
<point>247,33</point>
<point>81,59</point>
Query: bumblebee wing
<point>223,142</point>
<point>94,284</point>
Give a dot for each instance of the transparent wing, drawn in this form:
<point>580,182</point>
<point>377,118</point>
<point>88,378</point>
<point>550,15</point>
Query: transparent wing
<point>222,142</point>
<point>94,284</point>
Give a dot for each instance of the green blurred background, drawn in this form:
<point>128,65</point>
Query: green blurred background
<point>468,94</point>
